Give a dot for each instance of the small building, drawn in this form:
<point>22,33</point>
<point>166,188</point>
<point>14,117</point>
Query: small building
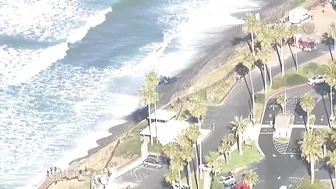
<point>166,132</point>
<point>282,126</point>
<point>162,116</point>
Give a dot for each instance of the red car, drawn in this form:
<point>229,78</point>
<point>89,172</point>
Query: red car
<point>241,186</point>
<point>304,43</point>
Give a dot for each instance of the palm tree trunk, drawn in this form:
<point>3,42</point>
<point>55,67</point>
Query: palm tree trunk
<point>251,186</point>
<point>180,183</point>
<point>156,133</point>
<point>282,63</point>
<point>149,125</point>
<point>335,172</point>
<point>197,167</point>
<point>312,172</point>
<point>226,158</point>
<point>307,122</point>
<point>239,145</point>
<point>270,73</point>
<point>265,79</point>
<point>324,150</point>
<point>331,102</point>
<point>200,160</point>
<point>252,41</point>
<point>189,175</point>
<point>252,89</point>
<point>296,60</point>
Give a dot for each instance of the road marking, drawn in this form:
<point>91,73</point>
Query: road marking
<point>261,182</point>
<point>266,133</point>
<point>295,178</point>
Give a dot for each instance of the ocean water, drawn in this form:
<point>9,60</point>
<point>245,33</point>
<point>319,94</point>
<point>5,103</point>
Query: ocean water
<point>69,70</point>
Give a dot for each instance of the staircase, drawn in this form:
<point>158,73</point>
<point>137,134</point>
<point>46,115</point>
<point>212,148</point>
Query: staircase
<point>144,147</point>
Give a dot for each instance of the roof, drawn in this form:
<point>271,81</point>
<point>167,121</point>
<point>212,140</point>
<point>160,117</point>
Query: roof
<point>282,121</point>
<point>241,186</point>
<point>166,132</point>
<point>162,114</point>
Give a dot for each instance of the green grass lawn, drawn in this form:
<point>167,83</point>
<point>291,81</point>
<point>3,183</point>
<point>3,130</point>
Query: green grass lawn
<point>306,184</point>
<point>193,181</point>
<point>281,139</point>
<point>250,155</point>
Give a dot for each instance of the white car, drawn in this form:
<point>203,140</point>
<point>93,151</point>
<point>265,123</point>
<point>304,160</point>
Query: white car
<point>316,80</point>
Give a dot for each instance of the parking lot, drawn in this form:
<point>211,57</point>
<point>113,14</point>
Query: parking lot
<point>143,177</point>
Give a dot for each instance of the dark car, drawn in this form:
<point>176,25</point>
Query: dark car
<point>150,162</point>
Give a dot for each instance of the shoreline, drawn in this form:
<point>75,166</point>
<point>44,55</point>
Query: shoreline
<point>217,55</point>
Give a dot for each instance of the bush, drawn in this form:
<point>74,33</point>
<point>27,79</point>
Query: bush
<point>295,79</point>
<point>310,68</point>
<point>203,94</point>
<point>306,184</point>
<point>259,98</point>
<point>308,27</point>
<point>278,83</point>
<point>312,119</point>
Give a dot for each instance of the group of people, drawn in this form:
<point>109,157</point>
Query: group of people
<point>53,170</point>
<point>101,180</point>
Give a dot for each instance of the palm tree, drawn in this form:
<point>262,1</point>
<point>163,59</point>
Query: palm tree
<point>214,163</point>
<point>238,127</point>
<point>307,105</point>
<point>251,26</point>
<point>250,178</point>
<point>172,176</point>
<point>265,37</point>
<point>146,98</point>
<point>152,81</point>
<point>281,100</point>
<point>224,149</point>
<point>193,133</point>
<point>332,32</point>
<point>331,80</point>
<point>332,160</point>
<point>311,151</point>
<point>178,165</point>
<point>198,109</point>
<point>292,31</point>
<point>230,138</point>
<point>249,62</point>
<point>324,136</point>
<point>264,56</point>
<point>279,35</point>
<point>187,156</point>
<point>171,150</point>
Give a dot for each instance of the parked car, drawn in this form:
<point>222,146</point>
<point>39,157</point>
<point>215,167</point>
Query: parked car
<point>150,162</point>
<point>302,42</point>
<point>317,79</point>
<point>153,156</point>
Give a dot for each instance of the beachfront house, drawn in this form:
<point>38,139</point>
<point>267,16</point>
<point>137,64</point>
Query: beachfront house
<point>161,116</point>
<point>166,132</point>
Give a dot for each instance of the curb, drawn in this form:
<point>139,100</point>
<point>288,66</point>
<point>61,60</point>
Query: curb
<point>277,92</point>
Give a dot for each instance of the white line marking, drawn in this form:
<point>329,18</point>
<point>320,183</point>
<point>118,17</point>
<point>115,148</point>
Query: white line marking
<point>295,178</point>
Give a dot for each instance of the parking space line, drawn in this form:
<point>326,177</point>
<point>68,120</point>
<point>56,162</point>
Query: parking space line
<point>138,176</point>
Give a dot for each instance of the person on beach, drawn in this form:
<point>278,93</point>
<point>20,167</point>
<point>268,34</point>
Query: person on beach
<point>51,170</point>
<point>47,173</point>
<point>213,126</point>
<point>55,170</point>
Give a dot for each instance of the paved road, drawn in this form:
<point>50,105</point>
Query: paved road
<point>238,104</point>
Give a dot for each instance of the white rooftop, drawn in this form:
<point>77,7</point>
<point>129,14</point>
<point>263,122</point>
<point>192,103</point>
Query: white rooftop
<point>166,132</point>
<point>162,114</point>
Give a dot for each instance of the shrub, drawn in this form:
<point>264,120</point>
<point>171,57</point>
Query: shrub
<point>295,79</point>
<point>203,94</point>
<point>312,119</point>
<point>308,27</point>
<point>310,68</point>
<point>259,98</point>
<point>278,83</point>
